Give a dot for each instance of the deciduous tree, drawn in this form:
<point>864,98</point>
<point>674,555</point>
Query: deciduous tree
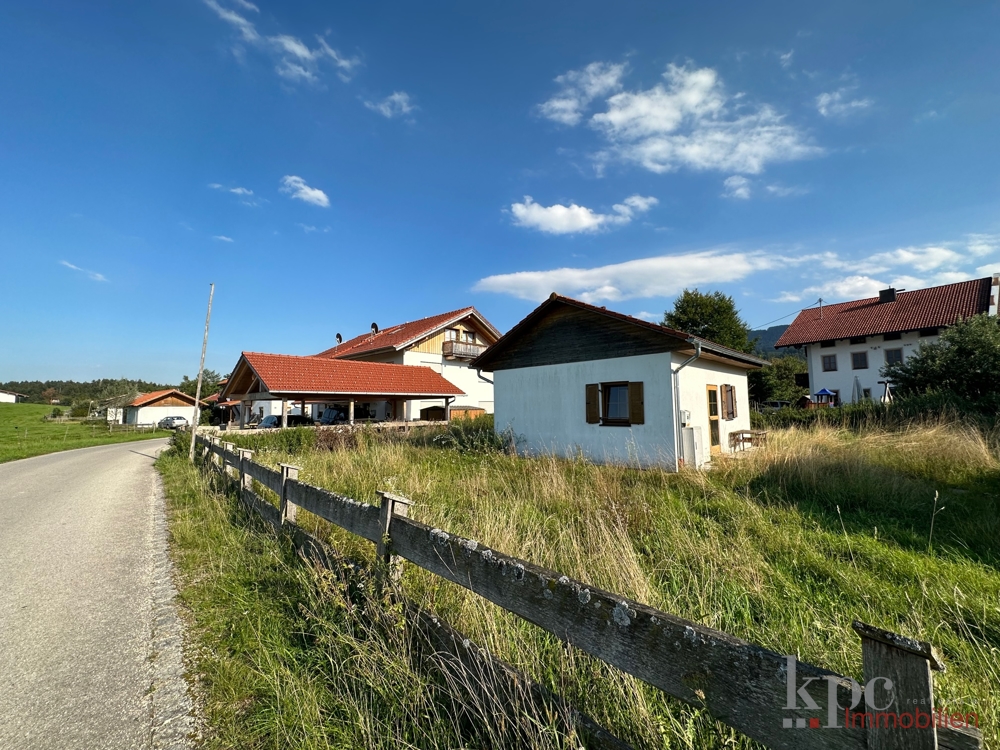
<point>712,316</point>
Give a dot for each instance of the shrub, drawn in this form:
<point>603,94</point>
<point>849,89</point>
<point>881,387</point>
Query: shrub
<point>56,412</point>
<point>476,436</point>
<point>294,440</point>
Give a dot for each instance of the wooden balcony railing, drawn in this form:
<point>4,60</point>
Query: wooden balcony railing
<point>461,350</point>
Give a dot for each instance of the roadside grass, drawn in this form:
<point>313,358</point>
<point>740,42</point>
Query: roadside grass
<point>783,547</point>
<point>289,657</point>
<point>24,433</point>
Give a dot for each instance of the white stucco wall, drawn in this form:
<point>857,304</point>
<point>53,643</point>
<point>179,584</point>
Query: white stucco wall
<point>693,382</point>
<point>7,398</point>
<point>153,414</point>
<point>477,392</point>
<point>843,378</point>
<point>547,406</point>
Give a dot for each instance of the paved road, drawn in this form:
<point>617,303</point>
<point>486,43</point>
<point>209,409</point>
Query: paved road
<point>90,645</point>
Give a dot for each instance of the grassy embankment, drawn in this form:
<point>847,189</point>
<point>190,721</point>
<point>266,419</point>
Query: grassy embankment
<point>783,547</point>
<point>24,433</point>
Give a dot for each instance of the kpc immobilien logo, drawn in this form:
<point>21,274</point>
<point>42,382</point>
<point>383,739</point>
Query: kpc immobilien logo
<point>913,714</point>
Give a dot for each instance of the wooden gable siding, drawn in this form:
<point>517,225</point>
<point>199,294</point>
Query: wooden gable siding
<point>433,344</point>
<point>169,401</point>
<point>568,334</point>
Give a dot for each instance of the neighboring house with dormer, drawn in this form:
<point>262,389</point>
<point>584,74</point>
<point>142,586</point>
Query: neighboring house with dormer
<point>847,344</point>
<point>446,343</point>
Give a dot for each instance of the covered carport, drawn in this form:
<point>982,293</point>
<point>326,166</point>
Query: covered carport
<point>309,380</point>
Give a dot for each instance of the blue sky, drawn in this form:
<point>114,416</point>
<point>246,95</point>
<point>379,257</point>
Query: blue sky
<point>329,166</point>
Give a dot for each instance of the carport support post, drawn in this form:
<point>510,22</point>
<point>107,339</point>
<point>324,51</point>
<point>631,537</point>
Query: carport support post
<point>284,413</point>
<point>287,509</point>
<point>908,663</point>
<point>244,405</point>
<point>350,411</point>
<point>390,505</point>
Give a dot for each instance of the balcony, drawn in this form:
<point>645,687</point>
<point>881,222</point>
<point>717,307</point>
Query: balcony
<point>461,350</point>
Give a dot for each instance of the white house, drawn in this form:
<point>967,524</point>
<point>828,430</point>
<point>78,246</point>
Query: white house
<point>445,343</point>
<point>848,344</point>
<point>150,408</point>
<point>574,379</point>
<point>10,397</point>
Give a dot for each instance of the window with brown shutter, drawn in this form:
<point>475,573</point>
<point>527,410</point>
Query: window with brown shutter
<point>636,404</point>
<point>729,402</point>
<point>593,403</point>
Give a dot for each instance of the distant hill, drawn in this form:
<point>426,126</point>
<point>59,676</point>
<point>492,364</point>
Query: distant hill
<point>766,339</point>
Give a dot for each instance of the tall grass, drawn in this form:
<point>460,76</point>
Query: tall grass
<point>755,546</point>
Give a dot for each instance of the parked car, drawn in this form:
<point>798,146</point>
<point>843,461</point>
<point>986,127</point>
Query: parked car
<point>273,421</point>
<point>172,423</point>
<point>332,415</point>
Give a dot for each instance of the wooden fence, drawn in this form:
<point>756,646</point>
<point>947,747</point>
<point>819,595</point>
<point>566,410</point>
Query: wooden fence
<point>771,698</point>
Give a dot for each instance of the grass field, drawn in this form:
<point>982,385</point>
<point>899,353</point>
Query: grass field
<point>24,433</point>
<point>783,547</point>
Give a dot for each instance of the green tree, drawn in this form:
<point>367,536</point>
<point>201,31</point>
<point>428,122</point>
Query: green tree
<point>776,382</point>
<point>964,362</point>
<point>712,316</point>
<point>209,384</point>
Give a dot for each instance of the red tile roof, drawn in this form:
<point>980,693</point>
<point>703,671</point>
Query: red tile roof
<point>145,399</point>
<point>399,336</point>
<point>284,373</point>
<point>923,308</point>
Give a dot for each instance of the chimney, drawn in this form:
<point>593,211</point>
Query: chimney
<point>887,295</point>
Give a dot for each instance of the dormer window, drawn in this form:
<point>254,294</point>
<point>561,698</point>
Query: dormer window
<point>451,334</point>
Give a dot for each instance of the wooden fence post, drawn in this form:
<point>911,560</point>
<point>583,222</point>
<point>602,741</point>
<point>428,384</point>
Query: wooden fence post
<point>229,448</point>
<point>390,505</point>
<point>287,509</point>
<point>907,663</point>
<point>246,481</point>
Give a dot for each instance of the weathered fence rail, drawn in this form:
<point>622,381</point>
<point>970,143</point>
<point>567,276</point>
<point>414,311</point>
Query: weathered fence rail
<point>771,698</point>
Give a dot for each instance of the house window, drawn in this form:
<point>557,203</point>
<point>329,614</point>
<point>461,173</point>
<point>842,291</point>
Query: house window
<point>924,332</point>
<point>615,404</point>
<point>728,394</point>
<point>859,360</point>
<point>827,344</point>
<point>829,362</point>
<point>858,339</point>
<point>866,393</point>
<point>893,356</point>
<point>469,337</point>
<point>892,336</point>
<point>451,334</point>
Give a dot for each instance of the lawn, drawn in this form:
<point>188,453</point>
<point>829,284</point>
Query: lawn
<point>783,547</point>
<point>25,433</point>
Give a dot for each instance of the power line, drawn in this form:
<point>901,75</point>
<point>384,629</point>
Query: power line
<point>796,312</point>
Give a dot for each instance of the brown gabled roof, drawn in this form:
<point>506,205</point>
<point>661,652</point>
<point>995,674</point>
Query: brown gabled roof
<point>145,399</point>
<point>482,362</point>
<point>288,374</point>
<point>400,336</point>
<point>933,307</point>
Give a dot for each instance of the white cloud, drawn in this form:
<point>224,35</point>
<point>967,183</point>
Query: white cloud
<point>786,59</point>
<point>651,317</point>
<point>988,270</point>
<point>920,258</point>
<point>572,219</point>
<point>92,275</point>
<point>660,276</point>
<point>838,103</point>
<point>783,191</point>
<point>396,104</point>
<point>241,191</point>
<point>579,89</point>
<point>736,187</point>
<point>690,121</point>
<point>222,238</point>
<point>296,61</point>
<point>296,187</point>
<point>983,244</point>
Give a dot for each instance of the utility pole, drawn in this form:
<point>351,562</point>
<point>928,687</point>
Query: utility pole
<point>201,369</point>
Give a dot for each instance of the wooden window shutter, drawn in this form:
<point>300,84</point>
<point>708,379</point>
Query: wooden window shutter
<point>729,401</point>
<point>593,403</point>
<point>636,405</point>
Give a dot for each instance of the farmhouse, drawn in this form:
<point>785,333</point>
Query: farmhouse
<point>847,344</point>
<point>321,381</point>
<point>575,379</point>
<point>10,397</point>
<point>150,408</point>
<point>446,343</point>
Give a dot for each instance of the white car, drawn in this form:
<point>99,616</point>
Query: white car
<point>172,423</point>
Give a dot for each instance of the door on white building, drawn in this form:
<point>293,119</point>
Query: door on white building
<point>715,441</point>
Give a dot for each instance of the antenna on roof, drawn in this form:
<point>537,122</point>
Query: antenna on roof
<point>374,328</point>
<point>340,339</point>
<point>821,308</point>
